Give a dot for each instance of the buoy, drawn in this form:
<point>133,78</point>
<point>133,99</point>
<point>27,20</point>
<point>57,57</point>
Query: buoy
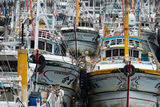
<point>75,60</point>
<point>86,52</point>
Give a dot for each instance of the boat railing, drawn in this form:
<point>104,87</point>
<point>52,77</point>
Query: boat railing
<point>10,104</point>
<point>45,34</point>
<point>122,61</point>
<point>119,59</point>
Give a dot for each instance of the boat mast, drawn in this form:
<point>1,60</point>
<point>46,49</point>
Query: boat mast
<point>123,13</point>
<point>133,2</point>
<point>77,23</point>
<point>37,26</point>
<point>126,30</point>
<point>77,14</point>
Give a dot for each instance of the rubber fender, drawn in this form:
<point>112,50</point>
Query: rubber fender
<point>42,63</point>
<point>125,70</point>
<point>158,36</point>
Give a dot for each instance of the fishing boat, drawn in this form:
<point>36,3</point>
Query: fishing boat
<point>84,37</point>
<point>49,62</point>
<point>126,75</point>
<point>56,67</point>
<point>81,35</point>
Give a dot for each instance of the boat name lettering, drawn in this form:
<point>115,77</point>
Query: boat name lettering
<point>68,80</point>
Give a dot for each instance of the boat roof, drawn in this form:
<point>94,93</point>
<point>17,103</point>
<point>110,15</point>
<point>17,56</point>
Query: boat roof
<point>58,58</point>
<point>82,28</point>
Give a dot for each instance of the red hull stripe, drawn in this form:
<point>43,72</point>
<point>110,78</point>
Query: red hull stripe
<point>124,98</point>
<point>143,99</point>
<point>109,99</point>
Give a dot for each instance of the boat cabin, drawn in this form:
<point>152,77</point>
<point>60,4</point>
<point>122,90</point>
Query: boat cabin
<point>113,49</point>
<point>47,45</point>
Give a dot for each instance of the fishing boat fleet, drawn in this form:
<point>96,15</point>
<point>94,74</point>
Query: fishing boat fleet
<point>104,56</point>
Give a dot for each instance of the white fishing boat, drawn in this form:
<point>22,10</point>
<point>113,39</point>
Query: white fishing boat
<point>33,19</point>
<point>80,35</point>
<point>82,38</point>
<point>126,75</point>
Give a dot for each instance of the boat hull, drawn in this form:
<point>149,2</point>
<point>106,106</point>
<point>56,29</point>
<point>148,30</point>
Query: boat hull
<point>86,40</point>
<point>83,46</point>
<point>119,99</point>
<point>66,75</point>
<point>110,90</point>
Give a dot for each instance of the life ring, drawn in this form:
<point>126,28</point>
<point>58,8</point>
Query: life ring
<point>126,70</point>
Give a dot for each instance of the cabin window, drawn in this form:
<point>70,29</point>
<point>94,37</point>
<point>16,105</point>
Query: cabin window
<point>123,41</point>
<point>91,25</point>
<point>48,47</point>
<point>87,24</point>
<point>135,53</point>
<point>121,52</point>
<point>17,47</point>
<point>142,24</point>
<point>86,4</point>
<point>57,50</point>
<point>106,43</point>
<point>115,52</point>
<point>32,44</point>
<point>113,42</point>
<point>91,3</point>
<point>83,24</point>
<point>98,3</point>
<point>119,41</point>
<point>147,24</point>
<point>41,45</point>
<point>137,43</point>
<point>131,42</point>
<point>108,53</point>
